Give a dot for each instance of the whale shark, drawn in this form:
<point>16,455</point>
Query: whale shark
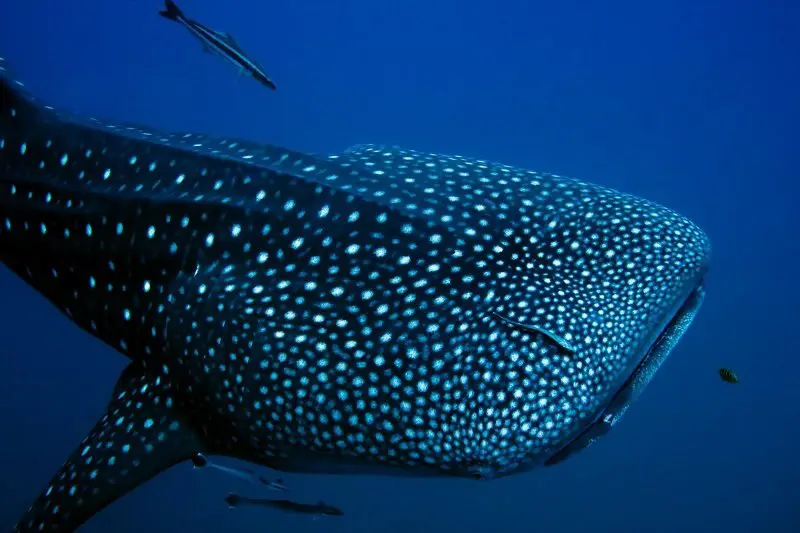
<point>380,311</point>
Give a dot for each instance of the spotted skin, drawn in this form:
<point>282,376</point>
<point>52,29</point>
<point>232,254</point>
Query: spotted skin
<point>376,311</point>
<point>140,434</point>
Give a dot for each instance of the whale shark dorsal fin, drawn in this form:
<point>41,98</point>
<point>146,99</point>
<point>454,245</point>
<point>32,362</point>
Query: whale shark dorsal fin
<point>141,434</point>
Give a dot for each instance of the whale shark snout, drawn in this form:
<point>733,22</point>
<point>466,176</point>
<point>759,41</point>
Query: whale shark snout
<point>634,294</point>
<point>594,289</point>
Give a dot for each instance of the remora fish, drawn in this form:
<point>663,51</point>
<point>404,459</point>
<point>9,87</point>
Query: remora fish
<point>376,311</point>
<point>245,474</point>
<point>218,42</point>
<point>319,509</point>
<point>201,461</point>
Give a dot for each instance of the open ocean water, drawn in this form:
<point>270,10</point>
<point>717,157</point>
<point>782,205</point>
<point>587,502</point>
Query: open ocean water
<point>690,104</point>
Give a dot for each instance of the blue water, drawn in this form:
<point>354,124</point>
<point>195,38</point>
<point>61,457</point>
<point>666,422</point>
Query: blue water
<point>690,103</point>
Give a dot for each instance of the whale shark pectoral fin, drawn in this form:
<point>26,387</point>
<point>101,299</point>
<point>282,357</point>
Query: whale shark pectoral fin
<point>141,434</point>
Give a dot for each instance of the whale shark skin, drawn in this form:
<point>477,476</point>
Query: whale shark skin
<point>376,311</point>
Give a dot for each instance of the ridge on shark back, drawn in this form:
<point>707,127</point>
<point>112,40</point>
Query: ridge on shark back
<point>376,311</point>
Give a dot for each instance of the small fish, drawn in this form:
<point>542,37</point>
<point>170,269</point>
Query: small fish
<point>218,42</point>
<point>319,509</point>
<point>563,343</point>
<point>201,461</point>
<point>728,376</point>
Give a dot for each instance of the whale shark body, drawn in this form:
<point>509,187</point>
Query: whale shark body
<point>379,310</point>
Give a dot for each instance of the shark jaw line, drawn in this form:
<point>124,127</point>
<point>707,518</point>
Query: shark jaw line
<point>654,356</point>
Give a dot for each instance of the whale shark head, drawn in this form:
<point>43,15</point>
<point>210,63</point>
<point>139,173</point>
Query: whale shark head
<point>548,304</point>
<point>377,310</point>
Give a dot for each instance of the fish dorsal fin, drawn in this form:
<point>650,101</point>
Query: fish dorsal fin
<point>225,36</point>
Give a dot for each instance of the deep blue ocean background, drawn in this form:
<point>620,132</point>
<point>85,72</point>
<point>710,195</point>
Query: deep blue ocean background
<point>691,103</point>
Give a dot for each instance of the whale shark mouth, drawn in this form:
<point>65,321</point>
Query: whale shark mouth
<point>631,389</point>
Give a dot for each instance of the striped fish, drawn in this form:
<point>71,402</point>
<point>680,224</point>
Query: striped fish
<point>219,43</point>
<point>727,375</point>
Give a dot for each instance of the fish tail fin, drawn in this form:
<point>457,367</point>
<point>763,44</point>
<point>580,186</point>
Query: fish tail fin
<point>143,432</point>
<point>171,11</point>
